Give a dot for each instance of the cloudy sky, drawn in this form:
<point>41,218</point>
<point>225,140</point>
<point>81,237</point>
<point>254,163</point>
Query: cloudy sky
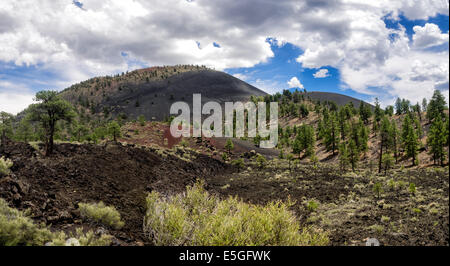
<point>366,49</point>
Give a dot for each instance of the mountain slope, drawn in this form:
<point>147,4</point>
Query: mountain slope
<point>150,92</point>
<point>339,99</point>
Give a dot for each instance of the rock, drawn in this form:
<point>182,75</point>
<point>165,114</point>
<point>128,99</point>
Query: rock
<point>52,218</point>
<point>72,242</point>
<point>100,231</point>
<point>16,198</point>
<point>65,216</point>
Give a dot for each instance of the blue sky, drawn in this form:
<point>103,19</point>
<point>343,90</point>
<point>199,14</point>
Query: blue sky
<point>364,49</point>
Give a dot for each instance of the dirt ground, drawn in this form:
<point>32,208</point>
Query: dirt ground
<point>121,175</point>
<point>348,208</point>
<point>118,175</point>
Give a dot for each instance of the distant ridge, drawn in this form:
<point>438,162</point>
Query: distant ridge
<point>339,99</point>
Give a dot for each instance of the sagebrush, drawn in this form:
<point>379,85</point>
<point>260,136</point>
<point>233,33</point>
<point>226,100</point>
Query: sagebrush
<point>100,213</point>
<point>5,164</point>
<point>17,229</point>
<point>199,219</point>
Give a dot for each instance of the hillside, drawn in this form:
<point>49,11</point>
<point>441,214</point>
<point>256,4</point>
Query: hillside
<point>339,99</point>
<point>150,92</point>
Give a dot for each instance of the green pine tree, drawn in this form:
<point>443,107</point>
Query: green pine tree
<point>437,139</point>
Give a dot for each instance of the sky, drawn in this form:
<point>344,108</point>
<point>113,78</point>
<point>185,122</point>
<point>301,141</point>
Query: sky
<point>366,49</point>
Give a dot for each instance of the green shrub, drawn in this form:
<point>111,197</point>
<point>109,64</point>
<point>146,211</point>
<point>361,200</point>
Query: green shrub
<point>224,157</point>
<point>416,210</point>
<point>412,188</point>
<point>377,189</point>
<point>199,219</point>
<point>5,164</point>
<point>261,161</point>
<point>17,229</point>
<point>141,120</point>
<point>312,205</point>
<point>100,213</point>
<point>239,163</point>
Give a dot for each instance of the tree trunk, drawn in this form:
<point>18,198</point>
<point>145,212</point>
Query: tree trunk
<point>49,144</point>
<point>381,155</point>
<point>2,142</point>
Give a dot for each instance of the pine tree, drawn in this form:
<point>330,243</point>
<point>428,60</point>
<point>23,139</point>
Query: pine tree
<point>378,111</point>
<point>365,112</point>
<point>387,162</point>
<point>343,157</point>
<point>305,141</point>
<point>332,134</point>
<point>24,130</point>
<point>343,124</point>
<point>389,110</point>
<point>437,139</point>
<point>410,140</point>
<point>6,129</point>
<point>229,145</point>
<point>363,137</point>
<point>320,130</point>
<point>398,107</point>
<point>353,153</point>
<point>436,106</point>
<point>424,104</point>
<point>395,139</point>
<point>416,108</point>
<point>114,130</point>
<point>385,139</point>
<point>50,109</point>
<point>289,157</point>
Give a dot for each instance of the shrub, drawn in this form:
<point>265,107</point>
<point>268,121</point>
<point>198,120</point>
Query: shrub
<point>224,157</point>
<point>141,120</point>
<point>17,229</point>
<point>385,219</point>
<point>377,228</point>
<point>312,205</point>
<point>198,218</point>
<point>5,164</point>
<point>239,163</point>
<point>183,143</point>
<point>416,210</point>
<point>412,188</point>
<point>99,212</point>
<point>377,189</point>
<point>261,160</point>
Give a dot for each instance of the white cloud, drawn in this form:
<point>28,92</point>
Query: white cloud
<point>14,98</point>
<point>350,35</point>
<point>428,36</point>
<point>295,83</point>
<point>240,76</point>
<point>321,73</point>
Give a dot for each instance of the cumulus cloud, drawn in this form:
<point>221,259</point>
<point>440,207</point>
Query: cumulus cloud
<point>240,76</point>
<point>14,98</point>
<point>428,36</point>
<point>295,83</point>
<point>321,73</point>
<point>76,43</point>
